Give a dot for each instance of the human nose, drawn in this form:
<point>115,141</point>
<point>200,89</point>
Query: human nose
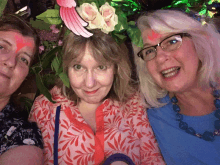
<point>90,79</point>
<point>161,54</point>
<point>9,59</point>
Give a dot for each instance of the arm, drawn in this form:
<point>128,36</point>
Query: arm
<point>22,155</point>
<point>40,113</point>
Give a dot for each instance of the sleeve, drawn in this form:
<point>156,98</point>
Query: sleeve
<point>149,151</point>
<point>41,114</point>
<point>31,134</point>
<point>20,132</point>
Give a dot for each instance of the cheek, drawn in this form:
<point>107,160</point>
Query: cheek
<point>106,79</point>
<point>151,68</point>
<point>22,73</point>
<point>75,81</point>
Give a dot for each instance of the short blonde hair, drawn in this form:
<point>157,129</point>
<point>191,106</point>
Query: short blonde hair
<point>206,40</point>
<point>105,50</point>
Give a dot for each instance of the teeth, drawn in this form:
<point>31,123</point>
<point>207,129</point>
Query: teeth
<point>169,70</point>
<point>170,74</point>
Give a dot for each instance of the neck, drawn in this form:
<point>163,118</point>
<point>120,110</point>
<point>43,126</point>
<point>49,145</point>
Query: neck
<point>3,102</point>
<point>88,112</point>
<point>197,102</point>
<point>90,108</point>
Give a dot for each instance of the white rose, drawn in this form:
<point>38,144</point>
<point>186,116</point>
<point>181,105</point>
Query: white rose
<point>111,19</point>
<point>90,14</point>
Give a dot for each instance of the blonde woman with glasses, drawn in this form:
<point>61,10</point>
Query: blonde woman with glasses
<point>178,69</point>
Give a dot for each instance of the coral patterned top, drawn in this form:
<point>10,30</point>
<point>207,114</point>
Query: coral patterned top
<point>119,129</point>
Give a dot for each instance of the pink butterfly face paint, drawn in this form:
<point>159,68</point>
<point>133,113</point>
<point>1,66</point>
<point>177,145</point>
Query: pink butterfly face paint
<point>153,35</point>
<point>21,42</point>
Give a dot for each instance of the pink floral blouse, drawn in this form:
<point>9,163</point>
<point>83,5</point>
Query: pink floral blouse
<point>119,129</point>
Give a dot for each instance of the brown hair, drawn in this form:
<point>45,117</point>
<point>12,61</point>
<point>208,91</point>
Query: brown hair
<point>105,50</point>
<point>11,22</point>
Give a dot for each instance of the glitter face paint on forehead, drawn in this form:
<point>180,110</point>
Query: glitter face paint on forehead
<point>153,35</point>
<point>21,42</point>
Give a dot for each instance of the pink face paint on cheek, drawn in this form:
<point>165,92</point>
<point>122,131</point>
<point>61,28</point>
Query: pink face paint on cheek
<point>20,43</point>
<point>154,36</point>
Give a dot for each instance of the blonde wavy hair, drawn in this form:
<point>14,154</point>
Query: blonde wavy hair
<point>206,40</point>
<point>105,50</point>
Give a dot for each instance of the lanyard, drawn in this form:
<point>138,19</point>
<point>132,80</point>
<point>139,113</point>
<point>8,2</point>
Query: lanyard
<point>56,134</point>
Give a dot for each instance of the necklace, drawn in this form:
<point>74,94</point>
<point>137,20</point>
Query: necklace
<point>207,135</point>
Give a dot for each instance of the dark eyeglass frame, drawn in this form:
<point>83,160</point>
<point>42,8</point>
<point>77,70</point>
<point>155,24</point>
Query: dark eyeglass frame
<point>139,54</point>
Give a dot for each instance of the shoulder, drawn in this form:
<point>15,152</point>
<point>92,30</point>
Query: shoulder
<point>42,101</point>
<point>135,101</point>
<point>43,110</point>
<point>17,131</point>
<point>55,93</point>
<point>132,107</point>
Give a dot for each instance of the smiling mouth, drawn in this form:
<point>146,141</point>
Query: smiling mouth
<point>4,75</point>
<point>170,72</point>
<point>91,92</point>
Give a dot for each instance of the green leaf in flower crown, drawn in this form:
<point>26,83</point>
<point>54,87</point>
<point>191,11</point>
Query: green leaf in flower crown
<point>43,90</point>
<point>65,79</point>
<point>57,7</point>
<point>119,38</point>
<point>102,2</point>
<point>50,56</point>
<point>129,7</point>
<point>2,5</point>
<point>39,24</point>
<point>134,34</point>
<point>122,21</point>
<point>50,16</point>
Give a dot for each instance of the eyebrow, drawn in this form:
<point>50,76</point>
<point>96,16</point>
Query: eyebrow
<point>28,55</point>
<point>164,38</point>
<point>147,45</point>
<point>5,41</point>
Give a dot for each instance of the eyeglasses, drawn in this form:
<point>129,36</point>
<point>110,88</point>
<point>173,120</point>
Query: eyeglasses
<point>170,43</point>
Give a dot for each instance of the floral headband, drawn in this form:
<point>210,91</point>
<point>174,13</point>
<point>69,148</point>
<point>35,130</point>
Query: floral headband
<point>98,15</point>
<point>105,18</point>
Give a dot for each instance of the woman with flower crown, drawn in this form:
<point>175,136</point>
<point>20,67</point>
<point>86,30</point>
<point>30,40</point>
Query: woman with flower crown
<point>99,119</point>
<point>178,70</point>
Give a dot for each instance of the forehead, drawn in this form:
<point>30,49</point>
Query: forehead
<point>14,36</point>
<point>151,37</point>
<point>92,54</point>
<point>17,39</point>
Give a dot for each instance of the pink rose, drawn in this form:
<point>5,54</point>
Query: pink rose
<point>90,14</point>
<point>111,19</point>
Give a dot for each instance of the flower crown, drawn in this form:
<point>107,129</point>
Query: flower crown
<point>98,14</point>
<point>105,18</point>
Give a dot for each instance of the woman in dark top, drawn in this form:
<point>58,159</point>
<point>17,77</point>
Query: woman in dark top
<point>20,140</point>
